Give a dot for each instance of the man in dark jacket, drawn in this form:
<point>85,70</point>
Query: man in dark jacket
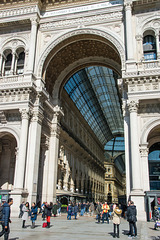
<point>132,218</point>
<point>6,218</point>
<point>99,211</point>
<point>76,209</point>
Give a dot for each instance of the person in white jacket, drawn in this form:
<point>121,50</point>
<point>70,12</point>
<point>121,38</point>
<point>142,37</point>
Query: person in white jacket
<point>116,214</point>
<point>25,210</point>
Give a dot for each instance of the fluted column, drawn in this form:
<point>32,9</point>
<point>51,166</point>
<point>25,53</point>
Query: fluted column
<point>140,55</point>
<point>1,63</point>
<point>53,155</point>
<point>33,154</point>
<point>134,140</point>
<point>128,22</point>
<point>21,161</point>
<point>13,62</point>
<point>45,170</point>
<point>145,169</point>
<point>33,40</point>
<point>127,148</point>
<point>157,45</point>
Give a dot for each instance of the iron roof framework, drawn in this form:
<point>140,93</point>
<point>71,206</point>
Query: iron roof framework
<point>95,93</point>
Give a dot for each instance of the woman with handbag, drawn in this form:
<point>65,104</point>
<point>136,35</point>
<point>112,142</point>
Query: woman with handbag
<point>33,214</point>
<point>25,210</point>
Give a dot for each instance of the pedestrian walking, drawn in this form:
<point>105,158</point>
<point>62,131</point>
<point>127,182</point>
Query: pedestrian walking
<point>105,214</point>
<point>99,211</point>
<point>25,215</point>
<point>6,218</point>
<point>48,213</point>
<point>116,214</point>
<point>69,212</point>
<point>20,210</point>
<point>156,217</point>
<point>33,214</point>
<point>132,218</point>
<point>76,209</point>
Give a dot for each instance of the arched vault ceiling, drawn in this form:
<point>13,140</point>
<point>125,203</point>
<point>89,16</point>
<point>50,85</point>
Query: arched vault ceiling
<point>74,49</point>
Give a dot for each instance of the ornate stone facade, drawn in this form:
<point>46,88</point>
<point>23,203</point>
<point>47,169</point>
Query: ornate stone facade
<point>42,44</point>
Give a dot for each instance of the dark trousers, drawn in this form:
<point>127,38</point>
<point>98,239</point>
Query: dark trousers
<point>98,217</point>
<point>116,225</point>
<point>5,232</point>
<point>131,226</point>
<point>105,215</point>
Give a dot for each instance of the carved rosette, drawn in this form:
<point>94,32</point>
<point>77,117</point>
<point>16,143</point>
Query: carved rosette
<point>133,106</point>
<point>24,113</point>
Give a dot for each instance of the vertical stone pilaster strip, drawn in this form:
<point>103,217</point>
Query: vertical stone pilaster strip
<point>134,142</point>
<point>21,160</point>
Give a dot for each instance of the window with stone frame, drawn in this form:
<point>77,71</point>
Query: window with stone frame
<point>8,63</point>
<point>20,63</point>
<point>149,48</point>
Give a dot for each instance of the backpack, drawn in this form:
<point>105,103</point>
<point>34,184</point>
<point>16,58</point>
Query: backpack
<point>1,213</point>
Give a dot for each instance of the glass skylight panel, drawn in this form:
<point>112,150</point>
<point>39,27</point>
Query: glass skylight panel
<point>94,92</point>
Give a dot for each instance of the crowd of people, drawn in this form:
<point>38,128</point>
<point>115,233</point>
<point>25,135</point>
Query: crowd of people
<point>103,211</point>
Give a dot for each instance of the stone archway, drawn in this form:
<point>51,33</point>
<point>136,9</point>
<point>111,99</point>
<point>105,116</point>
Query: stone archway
<point>8,147</point>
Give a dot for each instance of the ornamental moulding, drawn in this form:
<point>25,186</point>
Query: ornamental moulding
<point>18,11</point>
<point>81,21</point>
<point>106,35</point>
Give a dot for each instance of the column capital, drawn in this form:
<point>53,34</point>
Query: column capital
<point>58,113</point>
<point>139,37</point>
<point>133,105</point>
<point>24,113</point>
<point>128,4</point>
<point>34,20</point>
<point>143,150</point>
<point>37,116</point>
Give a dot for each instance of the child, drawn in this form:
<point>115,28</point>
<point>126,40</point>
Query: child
<point>116,214</point>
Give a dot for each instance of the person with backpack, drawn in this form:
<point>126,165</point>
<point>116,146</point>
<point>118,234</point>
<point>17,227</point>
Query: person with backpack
<point>132,219</point>
<point>6,218</point>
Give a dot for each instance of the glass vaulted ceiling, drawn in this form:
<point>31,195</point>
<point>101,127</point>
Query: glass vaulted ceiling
<point>94,92</point>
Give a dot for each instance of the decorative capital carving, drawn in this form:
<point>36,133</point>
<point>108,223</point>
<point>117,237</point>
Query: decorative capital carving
<point>143,150</point>
<point>133,105</point>
<point>139,37</point>
<point>128,5</point>
<point>37,116</point>
<point>55,130</point>
<point>24,113</point>
<point>58,113</point>
<point>34,21</point>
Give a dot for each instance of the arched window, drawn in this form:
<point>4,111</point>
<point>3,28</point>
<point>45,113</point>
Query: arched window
<point>154,166</point>
<point>20,63</point>
<point>8,63</point>
<point>149,48</point>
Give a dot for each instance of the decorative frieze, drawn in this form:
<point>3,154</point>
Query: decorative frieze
<point>96,19</point>
<point>18,11</point>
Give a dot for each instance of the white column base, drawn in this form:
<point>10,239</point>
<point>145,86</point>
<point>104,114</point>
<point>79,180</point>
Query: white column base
<point>18,196</point>
<point>138,197</point>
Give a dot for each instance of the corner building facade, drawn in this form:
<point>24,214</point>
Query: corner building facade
<point>45,142</point>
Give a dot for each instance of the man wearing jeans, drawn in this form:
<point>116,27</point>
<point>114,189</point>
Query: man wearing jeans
<point>6,218</point>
